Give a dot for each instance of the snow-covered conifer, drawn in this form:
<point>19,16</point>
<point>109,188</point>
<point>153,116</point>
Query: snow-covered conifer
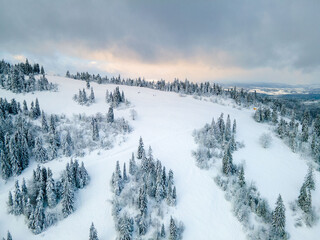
<point>93,235</point>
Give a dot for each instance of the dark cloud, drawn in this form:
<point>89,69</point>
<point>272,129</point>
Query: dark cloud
<point>246,34</point>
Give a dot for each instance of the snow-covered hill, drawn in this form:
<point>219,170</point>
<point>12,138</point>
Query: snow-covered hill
<point>165,121</point>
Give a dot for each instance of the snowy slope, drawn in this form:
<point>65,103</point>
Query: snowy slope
<point>165,121</point>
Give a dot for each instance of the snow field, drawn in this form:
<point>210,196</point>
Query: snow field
<point>165,121</point>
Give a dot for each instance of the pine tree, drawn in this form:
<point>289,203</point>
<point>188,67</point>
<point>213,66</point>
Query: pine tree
<point>125,228</point>
<point>310,179</point>
<point>9,237</point>
<point>42,70</point>
<point>141,151</point>
<point>10,203</point>
<point>172,230</point>
<point>93,233</point>
<point>241,179</point>
<point>95,130</point>
<point>67,199</point>
<point>37,111</point>
<point>125,177</point>
<point>5,164</point>
<point>279,220</point>
<point>110,115</point>
<point>25,108</point>
<point>143,201</point>
<point>162,232</point>
<point>44,124</point>
<point>51,191</point>
<point>92,98</point>
<point>118,181</point>
<point>37,218</point>
<point>17,200</point>
<point>40,152</point>
<point>234,127</point>
<point>132,165</point>
<point>305,131</point>
<point>227,166</point>
<point>84,177</point>
<point>228,129</point>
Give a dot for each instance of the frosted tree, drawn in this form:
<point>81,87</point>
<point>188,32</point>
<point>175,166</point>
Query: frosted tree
<point>227,166</point>
<point>305,131</point>
<point>44,124</point>
<point>95,129</point>
<point>141,151</point>
<point>279,220</point>
<point>38,214</point>
<point>9,237</point>
<point>132,165</point>
<point>5,164</point>
<point>17,200</point>
<point>92,98</point>
<point>110,115</point>
<point>143,201</point>
<point>67,199</point>
<point>234,127</point>
<point>36,110</point>
<point>125,228</point>
<point>10,203</point>
<point>172,230</point>
<point>40,152</point>
<point>84,176</point>
<point>304,199</point>
<point>162,232</point>
<point>25,108</point>
<point>93,235</point>
<point>228,129</point>
<point>241,179</point>
<point>125,177</point>
<point>51,191</point>
<point>67,145</point>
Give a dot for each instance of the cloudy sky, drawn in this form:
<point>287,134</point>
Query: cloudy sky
<point>224,41</point>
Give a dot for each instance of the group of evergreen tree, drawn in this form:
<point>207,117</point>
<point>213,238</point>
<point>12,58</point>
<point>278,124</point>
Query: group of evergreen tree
<point>146,184</point>
<point>20,78</point>
<point>17,138</point>
<point>82,98</point>
<point>21,138</point>
<point>115,98</point>
<point>304,201</point>
<point>185,87</point>
<point>26,68</point>
<point>301,135</point>
<point>217,140</point>
<point>44,192</point>
<point>9,237</point>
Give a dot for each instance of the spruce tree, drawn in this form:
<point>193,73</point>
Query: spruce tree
<point>172,230</point>
<point>5,164</point>
<point>10,203</point>
<point>132,165</point>
<point>44,124</point>
<point>40,152</point>
<point>141,151</point>
<point>110,115</point>
<point>92,98</point>
<point>17,200</point>
<point>93,235</point>
<point>51,191</point>
<point>228,129</point>
<point>67,199</point>
<point>279,220</point>
<point>9,237</point>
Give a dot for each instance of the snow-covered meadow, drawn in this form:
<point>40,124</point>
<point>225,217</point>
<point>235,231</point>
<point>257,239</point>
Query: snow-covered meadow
<point>166,121</point>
